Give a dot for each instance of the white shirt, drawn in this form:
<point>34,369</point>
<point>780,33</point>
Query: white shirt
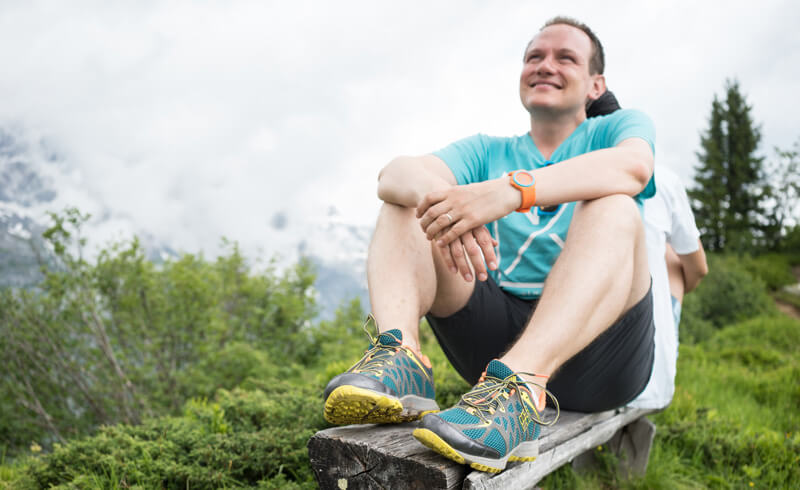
<point>668,218</point>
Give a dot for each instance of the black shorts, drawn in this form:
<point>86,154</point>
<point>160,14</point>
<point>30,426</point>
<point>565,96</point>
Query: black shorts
<point>608,373</point>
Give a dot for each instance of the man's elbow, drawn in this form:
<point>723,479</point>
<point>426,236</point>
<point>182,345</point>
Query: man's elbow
<point>642,169</point>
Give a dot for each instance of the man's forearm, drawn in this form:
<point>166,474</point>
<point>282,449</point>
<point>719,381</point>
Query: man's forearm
<point>406,180</point>
<point>624,169</point>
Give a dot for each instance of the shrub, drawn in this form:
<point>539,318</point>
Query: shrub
<point>728,294</point>
<point>121,338</point>
<point>242,438</point>
<point>774,269</point>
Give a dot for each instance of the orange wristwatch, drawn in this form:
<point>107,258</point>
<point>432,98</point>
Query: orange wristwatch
<point>526,183</point>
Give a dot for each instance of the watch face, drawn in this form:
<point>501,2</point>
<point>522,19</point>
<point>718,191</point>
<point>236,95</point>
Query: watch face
<point>523,178</point>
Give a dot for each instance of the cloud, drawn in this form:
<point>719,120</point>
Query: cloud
<point>196,120</point>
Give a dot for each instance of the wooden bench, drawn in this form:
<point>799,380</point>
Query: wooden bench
<point>387,456</point>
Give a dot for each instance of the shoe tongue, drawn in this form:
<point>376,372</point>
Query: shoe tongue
<point>498,370</point>
<point>392,338</point>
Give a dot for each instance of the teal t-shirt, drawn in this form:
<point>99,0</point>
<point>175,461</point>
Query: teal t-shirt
<point>529,243</point>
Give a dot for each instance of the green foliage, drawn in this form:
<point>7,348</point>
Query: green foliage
<point>773,269</point>
<point>243,438</point>
<point>790,245</point>
<point>344,336</point>
<point>119,338</point>
<point>733,422</point>
<point>734,412</point>
<point>728,294</point>
<point>729,197</point>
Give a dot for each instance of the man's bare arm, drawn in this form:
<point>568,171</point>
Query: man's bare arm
<point>624,169</point>
<point>405,180</point>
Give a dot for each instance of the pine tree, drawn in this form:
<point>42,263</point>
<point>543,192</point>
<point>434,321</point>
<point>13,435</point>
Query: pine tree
<point>728,199</point>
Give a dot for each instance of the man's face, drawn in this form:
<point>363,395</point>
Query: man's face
<point>555,74</point>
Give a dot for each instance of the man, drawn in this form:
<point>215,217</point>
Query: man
<point>677,264</point>
<point>581,316</point>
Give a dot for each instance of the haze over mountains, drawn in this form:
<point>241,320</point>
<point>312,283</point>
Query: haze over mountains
<point>35,180</point>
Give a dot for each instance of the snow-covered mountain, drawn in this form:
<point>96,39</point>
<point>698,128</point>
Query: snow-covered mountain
<point>35,180</point>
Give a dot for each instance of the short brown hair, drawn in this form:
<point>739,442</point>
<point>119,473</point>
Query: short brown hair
<point>597,61</point>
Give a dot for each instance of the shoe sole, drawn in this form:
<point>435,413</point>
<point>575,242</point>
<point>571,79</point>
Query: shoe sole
<point>353,405</point>
<point>526,451</point>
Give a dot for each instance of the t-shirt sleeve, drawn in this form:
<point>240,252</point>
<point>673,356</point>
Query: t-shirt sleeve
<point>683,234</point>
<point>468,158</point>
<point>630,123</point>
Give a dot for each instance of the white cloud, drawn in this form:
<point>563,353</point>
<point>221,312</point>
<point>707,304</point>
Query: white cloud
<point>197,120</point>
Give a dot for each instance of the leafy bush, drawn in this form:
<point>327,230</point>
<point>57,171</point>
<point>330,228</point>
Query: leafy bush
<point>122,338</point>
<point>728,294</point>
<point>774,269</point>
<point>242,438</point>
<point>790,245</point>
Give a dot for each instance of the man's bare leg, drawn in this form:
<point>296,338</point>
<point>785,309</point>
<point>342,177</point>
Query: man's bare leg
<point>407,277</point>
<point>393,381</point>
<point>601,273</point>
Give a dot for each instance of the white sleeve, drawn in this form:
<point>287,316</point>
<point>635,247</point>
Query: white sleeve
<point>683,234</point>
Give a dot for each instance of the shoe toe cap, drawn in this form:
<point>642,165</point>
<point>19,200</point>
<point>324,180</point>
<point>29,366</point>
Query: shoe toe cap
<point>457,439</point>
<point>358,380</point>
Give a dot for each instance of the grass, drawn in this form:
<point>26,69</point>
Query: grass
<point>13,474</point>
<point>733,422</point>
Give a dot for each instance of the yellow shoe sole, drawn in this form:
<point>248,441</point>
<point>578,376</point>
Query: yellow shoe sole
<point>353,405</point>
<point>431,440</point>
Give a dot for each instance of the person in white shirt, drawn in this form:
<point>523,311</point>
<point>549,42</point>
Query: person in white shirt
<point>677,264</point>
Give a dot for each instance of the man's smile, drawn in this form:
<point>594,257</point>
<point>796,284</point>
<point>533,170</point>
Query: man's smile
<point>544,83</point>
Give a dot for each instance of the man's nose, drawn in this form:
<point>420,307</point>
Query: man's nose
<point>545,66</point>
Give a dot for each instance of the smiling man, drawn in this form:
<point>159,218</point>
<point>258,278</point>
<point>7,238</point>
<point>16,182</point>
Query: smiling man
<point>527,256</point>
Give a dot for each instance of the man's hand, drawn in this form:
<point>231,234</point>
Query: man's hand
<point>449,214</point>
<point>476,245</point>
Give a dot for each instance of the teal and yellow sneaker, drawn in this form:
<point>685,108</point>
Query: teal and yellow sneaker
<point>390,384</point>
<point>495,422</point>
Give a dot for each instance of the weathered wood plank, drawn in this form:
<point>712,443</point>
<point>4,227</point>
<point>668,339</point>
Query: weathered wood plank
<point>569,425</point>
<point>387,456</point>
<point>552,456</point>
<point>377,457</point>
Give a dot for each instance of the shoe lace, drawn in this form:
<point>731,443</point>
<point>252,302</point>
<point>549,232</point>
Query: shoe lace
<point>377,355</point>
<point>483,399</point>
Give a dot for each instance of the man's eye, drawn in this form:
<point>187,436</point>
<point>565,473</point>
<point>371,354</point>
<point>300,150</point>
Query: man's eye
<point>568,58</point>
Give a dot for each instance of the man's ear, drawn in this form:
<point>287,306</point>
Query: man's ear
<point>598,87</point>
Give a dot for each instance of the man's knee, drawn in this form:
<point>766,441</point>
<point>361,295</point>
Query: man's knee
<point>617,212</point>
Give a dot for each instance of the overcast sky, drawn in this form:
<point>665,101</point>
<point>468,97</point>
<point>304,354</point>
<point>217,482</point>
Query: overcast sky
<point>194,120</point>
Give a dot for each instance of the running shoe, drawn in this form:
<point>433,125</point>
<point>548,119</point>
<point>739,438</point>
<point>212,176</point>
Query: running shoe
<point>494,423</point>
<point>389,384</point>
